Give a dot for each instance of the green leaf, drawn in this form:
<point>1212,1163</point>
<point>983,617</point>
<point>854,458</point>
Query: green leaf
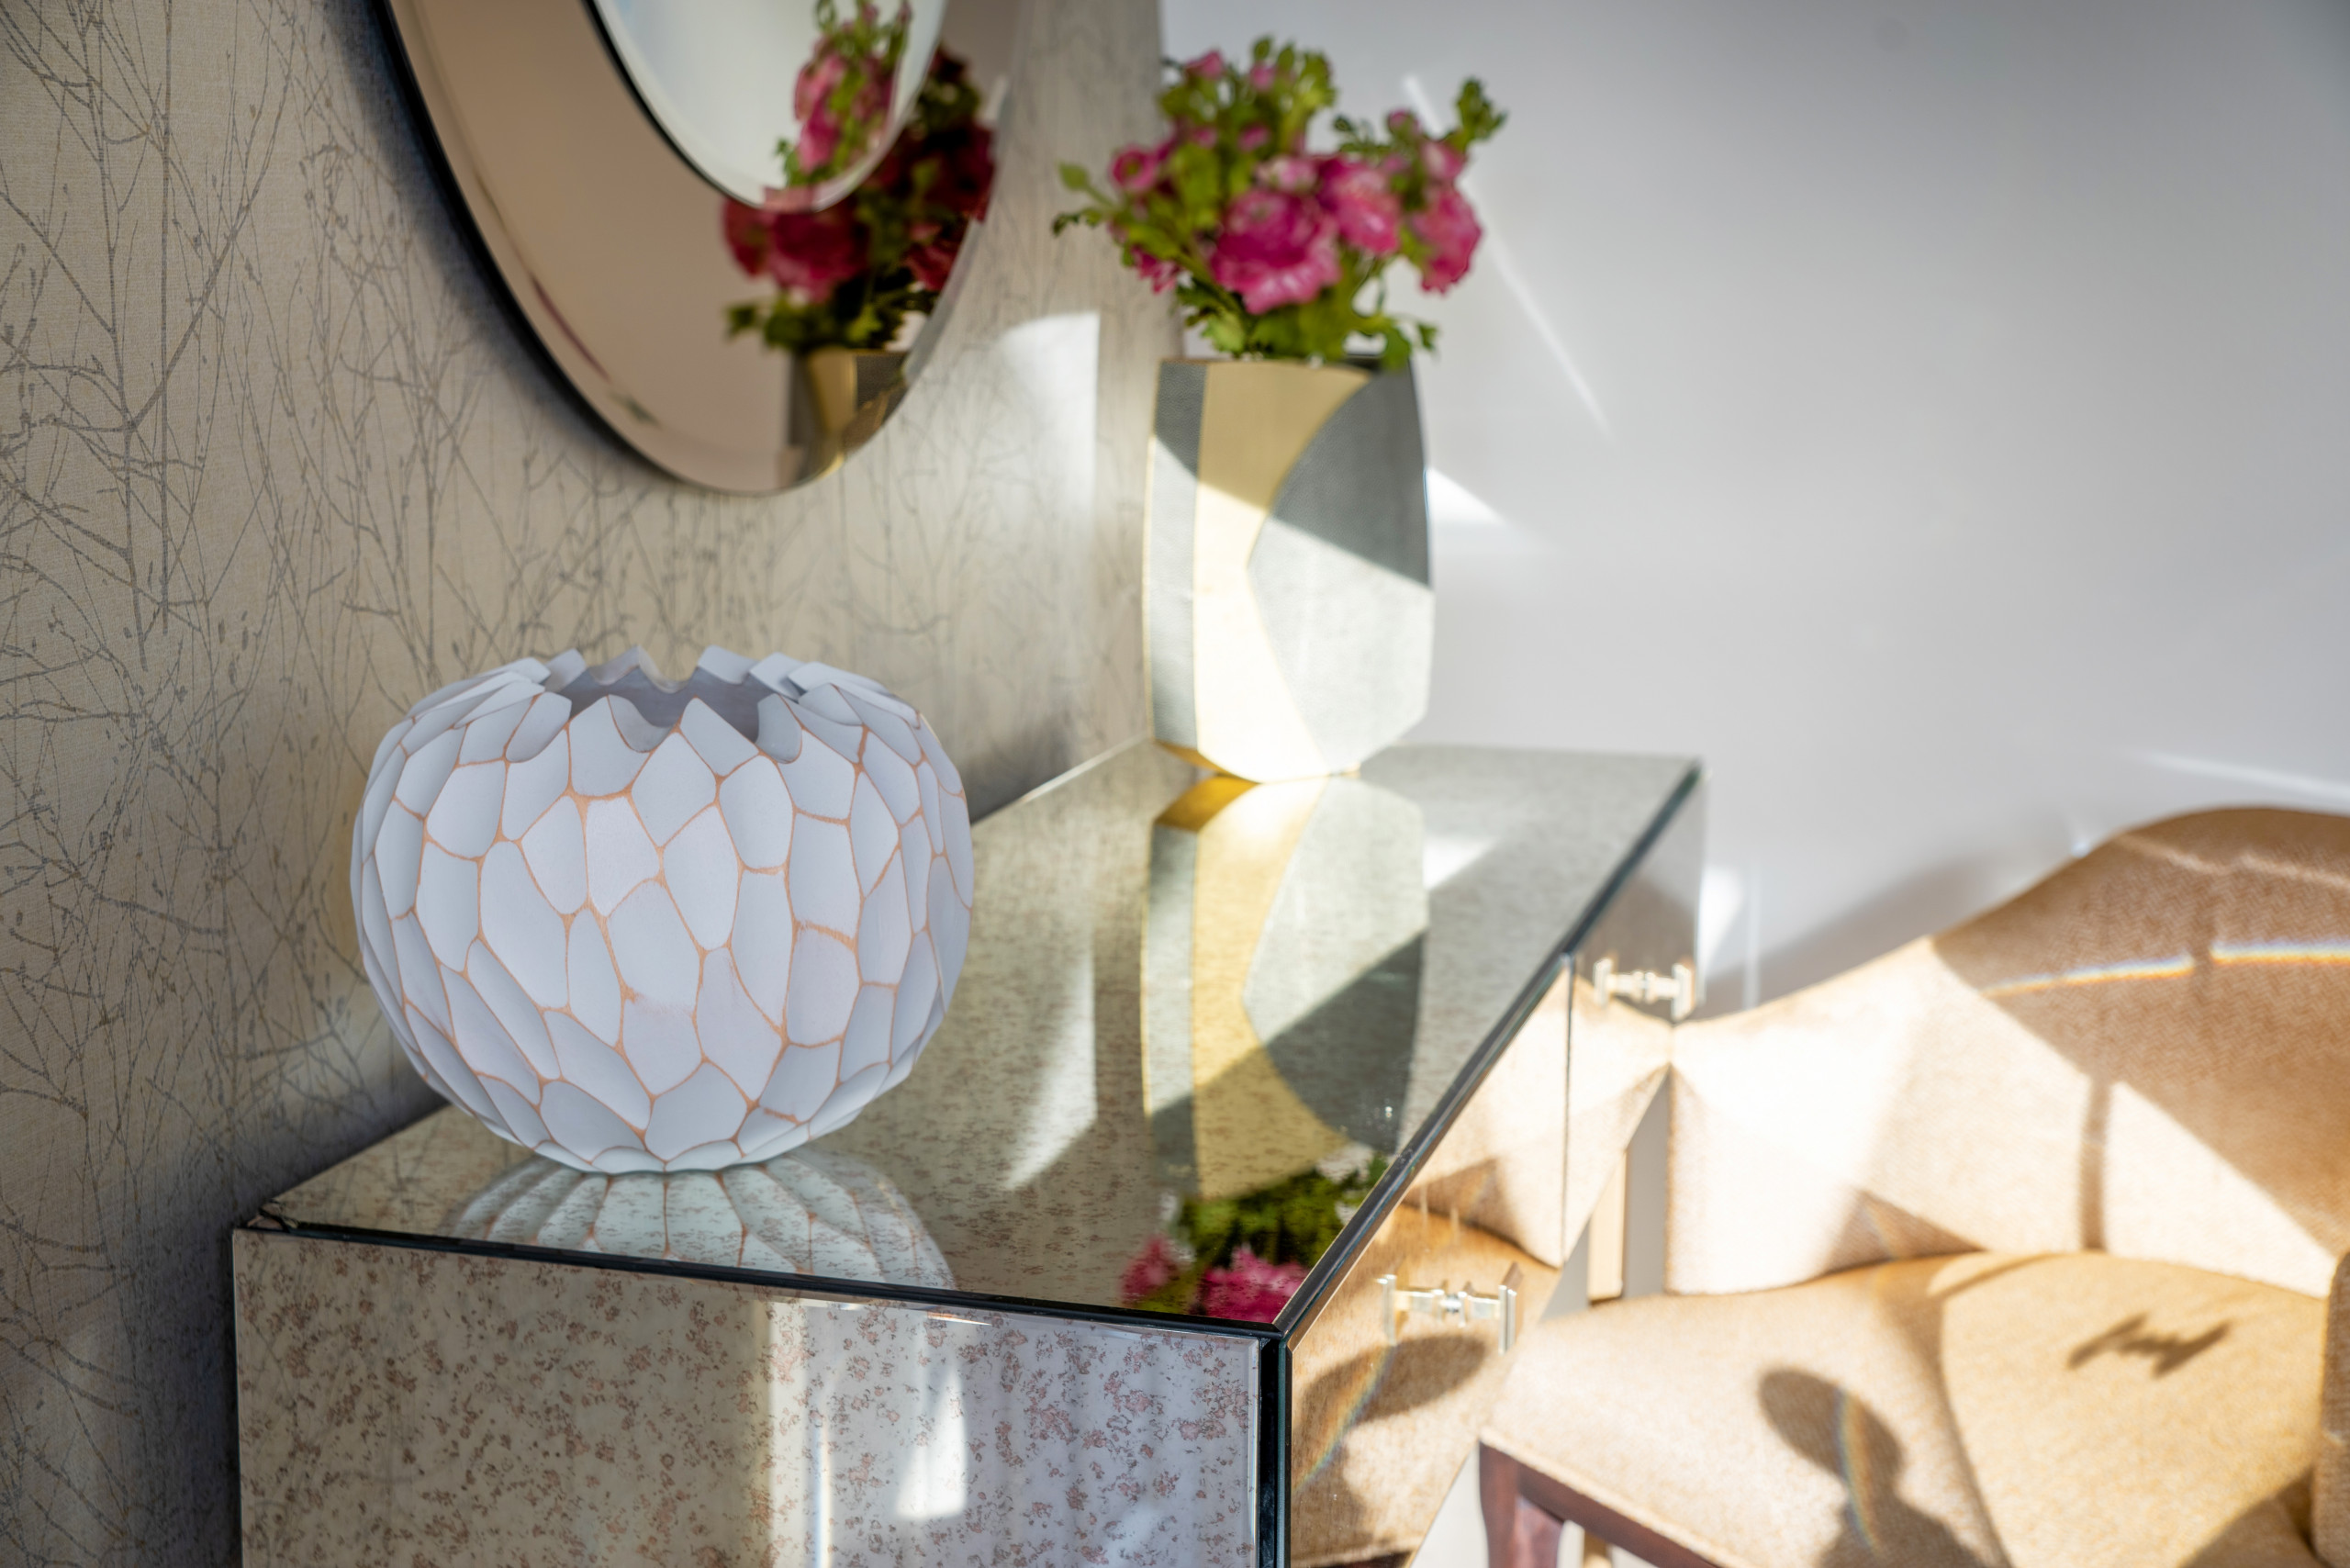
<point>1177,1295</point>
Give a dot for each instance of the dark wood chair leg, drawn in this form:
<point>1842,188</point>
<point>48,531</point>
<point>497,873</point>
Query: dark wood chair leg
<point>1527,1511</point>
<point>1518,1534</point>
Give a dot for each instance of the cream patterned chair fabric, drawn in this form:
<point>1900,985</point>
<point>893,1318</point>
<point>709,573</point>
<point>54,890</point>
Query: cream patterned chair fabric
<point>2013,1247</point>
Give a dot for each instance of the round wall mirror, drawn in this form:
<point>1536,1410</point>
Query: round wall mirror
<point>728,224</point>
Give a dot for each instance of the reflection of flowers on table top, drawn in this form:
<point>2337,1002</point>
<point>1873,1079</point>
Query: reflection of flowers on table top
<point>1243,1258</point>
<point>812,1211</point>
<point>850,275</point>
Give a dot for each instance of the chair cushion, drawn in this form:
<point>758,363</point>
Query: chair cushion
<point>2072,1409</point>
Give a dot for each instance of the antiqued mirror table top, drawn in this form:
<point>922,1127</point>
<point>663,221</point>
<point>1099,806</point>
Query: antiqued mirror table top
<point>1189,1002</point>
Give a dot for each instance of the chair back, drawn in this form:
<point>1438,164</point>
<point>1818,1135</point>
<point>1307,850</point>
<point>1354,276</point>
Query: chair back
<point>2148,1053</point>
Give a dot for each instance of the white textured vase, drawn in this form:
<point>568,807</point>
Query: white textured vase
<point>638,924</point>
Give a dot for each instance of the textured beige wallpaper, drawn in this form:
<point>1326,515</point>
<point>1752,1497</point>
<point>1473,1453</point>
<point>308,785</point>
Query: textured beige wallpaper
<point>271,466</point>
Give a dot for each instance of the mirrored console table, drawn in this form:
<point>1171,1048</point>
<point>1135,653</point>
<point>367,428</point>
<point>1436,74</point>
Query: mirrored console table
<point>1200,1235</point>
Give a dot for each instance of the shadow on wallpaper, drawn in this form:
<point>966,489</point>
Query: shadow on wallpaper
<point>271,466</point>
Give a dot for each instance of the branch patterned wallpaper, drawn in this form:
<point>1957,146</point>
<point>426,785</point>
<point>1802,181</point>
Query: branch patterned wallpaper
<point>272,464</point>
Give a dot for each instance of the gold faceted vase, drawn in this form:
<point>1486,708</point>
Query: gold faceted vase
<point>839,397</point>
<point>1287,619</point>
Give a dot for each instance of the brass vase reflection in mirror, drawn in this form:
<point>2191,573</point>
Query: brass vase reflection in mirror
<point>1282,955</point>
<point>582,152</point>
<point>812,1211</point>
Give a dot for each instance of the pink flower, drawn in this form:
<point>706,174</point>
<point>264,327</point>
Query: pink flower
<point>1136,169</point>
<point>1288,173</point>
<point>1160,273</point>
<point>1367,207</point>
<point>1403,120</point>
<point>1276,250</point>
<point>1443,161</point>
<point>820,130</point>
<point>1153,1268</point>
<point>1208,64</point>
<point>931,257</point>
<point>808,253</point>
<point>1251,1291</point>
<point>820,138</point>
<point>1263,77</point>
<point>1157,271</point>
<point>1449,229</point>
<point>1253,138</point>
<point>816,82</point>
<point>814,253</point>
<point>746,236</point>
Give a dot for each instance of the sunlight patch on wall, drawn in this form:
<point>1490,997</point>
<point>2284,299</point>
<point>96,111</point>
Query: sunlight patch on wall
<point>1452,504</point>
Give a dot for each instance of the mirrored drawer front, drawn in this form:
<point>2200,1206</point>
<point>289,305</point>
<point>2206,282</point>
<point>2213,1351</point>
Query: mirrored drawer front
<point>401,1404</point>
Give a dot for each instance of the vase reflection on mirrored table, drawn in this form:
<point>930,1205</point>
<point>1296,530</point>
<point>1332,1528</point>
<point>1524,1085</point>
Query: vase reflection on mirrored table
<point>813,1211</point>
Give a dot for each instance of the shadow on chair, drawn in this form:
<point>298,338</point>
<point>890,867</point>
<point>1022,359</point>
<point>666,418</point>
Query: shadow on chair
<point>1841,1435</point>
<point>1525,1511</point>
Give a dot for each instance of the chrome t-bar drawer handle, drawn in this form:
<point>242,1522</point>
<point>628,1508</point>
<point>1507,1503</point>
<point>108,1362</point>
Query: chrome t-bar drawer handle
<point>1458,1307</point>
<point>1679,987</point>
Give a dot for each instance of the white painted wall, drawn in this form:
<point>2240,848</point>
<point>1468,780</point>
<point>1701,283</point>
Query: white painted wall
<point>1935,415</point>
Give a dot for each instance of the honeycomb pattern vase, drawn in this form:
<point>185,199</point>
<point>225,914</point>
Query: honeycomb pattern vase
<point>638,924</point>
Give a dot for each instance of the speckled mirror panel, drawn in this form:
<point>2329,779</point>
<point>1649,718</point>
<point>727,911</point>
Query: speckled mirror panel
<point>583,1416</point>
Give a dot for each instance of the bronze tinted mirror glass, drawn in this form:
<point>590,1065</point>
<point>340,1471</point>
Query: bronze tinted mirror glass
<point>728,223</point>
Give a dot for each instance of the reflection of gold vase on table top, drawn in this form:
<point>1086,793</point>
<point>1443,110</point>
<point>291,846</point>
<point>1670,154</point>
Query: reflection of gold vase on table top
<point>1281,978</point>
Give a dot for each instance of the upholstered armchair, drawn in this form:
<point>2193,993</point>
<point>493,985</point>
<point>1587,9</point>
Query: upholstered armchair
<point>2013,1247</point>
